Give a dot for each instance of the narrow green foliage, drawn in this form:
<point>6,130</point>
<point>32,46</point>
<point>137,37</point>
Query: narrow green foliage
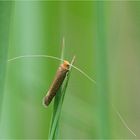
<point>59,94</point>
<point>53,134</point>
<point>58,108</point>
<point>102,76</point>
<point>5,14</point>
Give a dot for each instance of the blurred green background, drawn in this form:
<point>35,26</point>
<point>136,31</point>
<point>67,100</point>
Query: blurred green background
<point>104,36</point>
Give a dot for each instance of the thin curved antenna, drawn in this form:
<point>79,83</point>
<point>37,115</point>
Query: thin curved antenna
<point>122,120</point>
<point>35,56</point>
<point>82,72</point>
<point>52,57</point>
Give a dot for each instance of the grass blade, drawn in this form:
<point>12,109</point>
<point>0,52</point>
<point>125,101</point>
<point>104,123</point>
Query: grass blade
<point>5,14</point>
<point>58,95</point>
<point>58,106</point>
<point>102,75</point>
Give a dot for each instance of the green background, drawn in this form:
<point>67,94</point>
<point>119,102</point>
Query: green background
<point>104,36</point>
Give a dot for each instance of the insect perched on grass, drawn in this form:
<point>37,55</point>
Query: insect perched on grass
<point>57,82</point>
<point>60,75</point>
<point>59,78</point>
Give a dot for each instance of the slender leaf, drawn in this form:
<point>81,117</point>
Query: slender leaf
<point>58,107</point>
<point>5,14</point>
<point>101,61</point>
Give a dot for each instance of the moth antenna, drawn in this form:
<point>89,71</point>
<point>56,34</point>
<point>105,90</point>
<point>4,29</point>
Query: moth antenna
<point>56,58</point>
<point>86,75</point>
<point>122,120</point>
<point>33,56</point>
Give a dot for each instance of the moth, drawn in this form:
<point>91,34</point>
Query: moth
<point>57,82</point>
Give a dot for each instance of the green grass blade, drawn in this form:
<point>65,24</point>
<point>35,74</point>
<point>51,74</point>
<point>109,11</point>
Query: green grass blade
<point>58,108</point>
<point>5,14</point>
<point>58,95</point>
<point>61,99</point>
<point>101,63</point>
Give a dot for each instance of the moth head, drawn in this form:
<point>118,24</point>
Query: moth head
<point>66,65</point>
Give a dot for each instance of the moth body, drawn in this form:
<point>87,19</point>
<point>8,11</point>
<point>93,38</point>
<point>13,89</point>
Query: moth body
<point>57,82</point>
